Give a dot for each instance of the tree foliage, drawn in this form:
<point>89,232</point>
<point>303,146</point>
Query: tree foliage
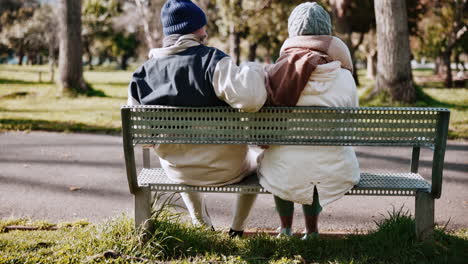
<point>15,27</point>
<point>103,33</point>
<point>443,30</point>
<point>263,24</point>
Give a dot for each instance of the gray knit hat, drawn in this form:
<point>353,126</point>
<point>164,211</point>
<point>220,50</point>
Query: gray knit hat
<point>309,19</point>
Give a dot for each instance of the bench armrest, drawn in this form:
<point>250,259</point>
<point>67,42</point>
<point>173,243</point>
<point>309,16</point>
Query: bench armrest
<point>129,151</point>
<point>439,154</point>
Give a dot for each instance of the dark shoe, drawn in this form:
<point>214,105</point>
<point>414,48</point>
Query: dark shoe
<point>313,235</point>
<point>285,232</point>
<point>233,233</point>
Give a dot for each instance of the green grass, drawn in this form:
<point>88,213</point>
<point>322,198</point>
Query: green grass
<point>429,94</point>
<point>26,104</point>
<point>116,241</point>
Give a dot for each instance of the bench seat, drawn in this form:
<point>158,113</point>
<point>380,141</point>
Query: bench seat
<point>386,183</point>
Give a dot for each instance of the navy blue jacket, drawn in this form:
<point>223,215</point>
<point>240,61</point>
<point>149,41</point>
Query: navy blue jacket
<point>182,79</point>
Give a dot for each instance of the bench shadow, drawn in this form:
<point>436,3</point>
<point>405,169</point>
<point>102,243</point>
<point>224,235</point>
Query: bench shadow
<point>65,144</point>
<point>453,147</point>
<point>460,167</point>
<point>58,126</point>
<point>92,164</point>
<point>64,189</point>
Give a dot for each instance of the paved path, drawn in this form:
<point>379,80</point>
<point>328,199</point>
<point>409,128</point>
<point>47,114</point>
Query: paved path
<point>38,171</point>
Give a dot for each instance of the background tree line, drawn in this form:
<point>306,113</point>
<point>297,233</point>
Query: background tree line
<point>121,30</point>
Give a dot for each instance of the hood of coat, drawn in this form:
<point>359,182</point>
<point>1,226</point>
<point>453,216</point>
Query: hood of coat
<point>322,78</point>
<point>178,44</point>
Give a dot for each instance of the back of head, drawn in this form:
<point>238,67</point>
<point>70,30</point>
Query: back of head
<point>181,17</point>
<point>309,19</point>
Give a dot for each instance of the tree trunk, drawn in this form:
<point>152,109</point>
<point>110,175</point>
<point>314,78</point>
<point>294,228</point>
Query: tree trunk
<point>371,65</point>
<point>90,61</point>
<point>124,62</point>
<point>29,60</point>
<point>20,55</point>
<point>234,44</point>
<point>71,79</point>
<point>89,55</point>
<point>439,65</point>
<point>448,70</point>
<point>253,51</point>
<point>234,34</point>
<point>393,51</point>
<point>457,61</point>
<point>52,69</point>
<point>101,60</point>
<point>51,59</point>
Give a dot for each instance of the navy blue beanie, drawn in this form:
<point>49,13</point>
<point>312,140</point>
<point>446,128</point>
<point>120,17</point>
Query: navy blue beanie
<point>181,17</point>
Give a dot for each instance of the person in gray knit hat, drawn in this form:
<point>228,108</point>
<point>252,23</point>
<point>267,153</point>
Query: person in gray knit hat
<point>309,19</point>
<point>185,72</point>
<point>314,69</point>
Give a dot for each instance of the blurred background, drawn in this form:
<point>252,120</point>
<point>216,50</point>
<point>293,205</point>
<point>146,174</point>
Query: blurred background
<point>65,65</point>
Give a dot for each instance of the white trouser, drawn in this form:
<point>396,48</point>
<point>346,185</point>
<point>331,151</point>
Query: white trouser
<point>196,205</point>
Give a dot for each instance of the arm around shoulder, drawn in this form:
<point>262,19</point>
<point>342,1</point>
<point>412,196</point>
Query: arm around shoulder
<point>242,87</point>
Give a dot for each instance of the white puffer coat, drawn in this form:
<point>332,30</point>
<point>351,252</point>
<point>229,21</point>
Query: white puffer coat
<point>292,172</point>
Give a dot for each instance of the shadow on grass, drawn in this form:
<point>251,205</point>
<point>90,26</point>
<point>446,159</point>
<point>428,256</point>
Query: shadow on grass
<point>9,81</point>
<point>14,96</point>
<point>56,126</point>
<point>394,241</point>
<point>422,100</point>
<point>425,100</point>
<point>113,83</point>
<point>92,92</point>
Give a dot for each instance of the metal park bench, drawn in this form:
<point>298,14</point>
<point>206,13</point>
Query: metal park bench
<point>414,127</point>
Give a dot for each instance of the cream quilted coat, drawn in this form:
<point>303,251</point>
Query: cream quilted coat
<point>291,172</point>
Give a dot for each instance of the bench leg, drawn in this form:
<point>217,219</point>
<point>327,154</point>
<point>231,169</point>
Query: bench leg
<point>143,208</point>
<point>424,215</point>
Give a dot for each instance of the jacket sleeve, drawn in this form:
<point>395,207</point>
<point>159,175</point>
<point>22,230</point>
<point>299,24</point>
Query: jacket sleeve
<point>133,89</point>
<point>131,99</point>
<point>242,87</point>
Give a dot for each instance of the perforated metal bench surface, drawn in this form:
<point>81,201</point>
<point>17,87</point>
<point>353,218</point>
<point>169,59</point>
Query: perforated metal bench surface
<point>399,184</point>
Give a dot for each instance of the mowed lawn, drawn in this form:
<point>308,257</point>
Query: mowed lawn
<point>173,241</point>
<point>27,104</point>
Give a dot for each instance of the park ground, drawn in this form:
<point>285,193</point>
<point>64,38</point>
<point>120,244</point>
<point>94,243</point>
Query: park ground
<point>48,196</point>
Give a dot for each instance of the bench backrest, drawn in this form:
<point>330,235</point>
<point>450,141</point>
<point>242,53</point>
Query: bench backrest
<point>285,126</point>
<point>374,126</point>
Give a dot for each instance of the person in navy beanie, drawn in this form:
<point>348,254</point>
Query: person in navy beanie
<point>181,17</point>
<point>185,72</point>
